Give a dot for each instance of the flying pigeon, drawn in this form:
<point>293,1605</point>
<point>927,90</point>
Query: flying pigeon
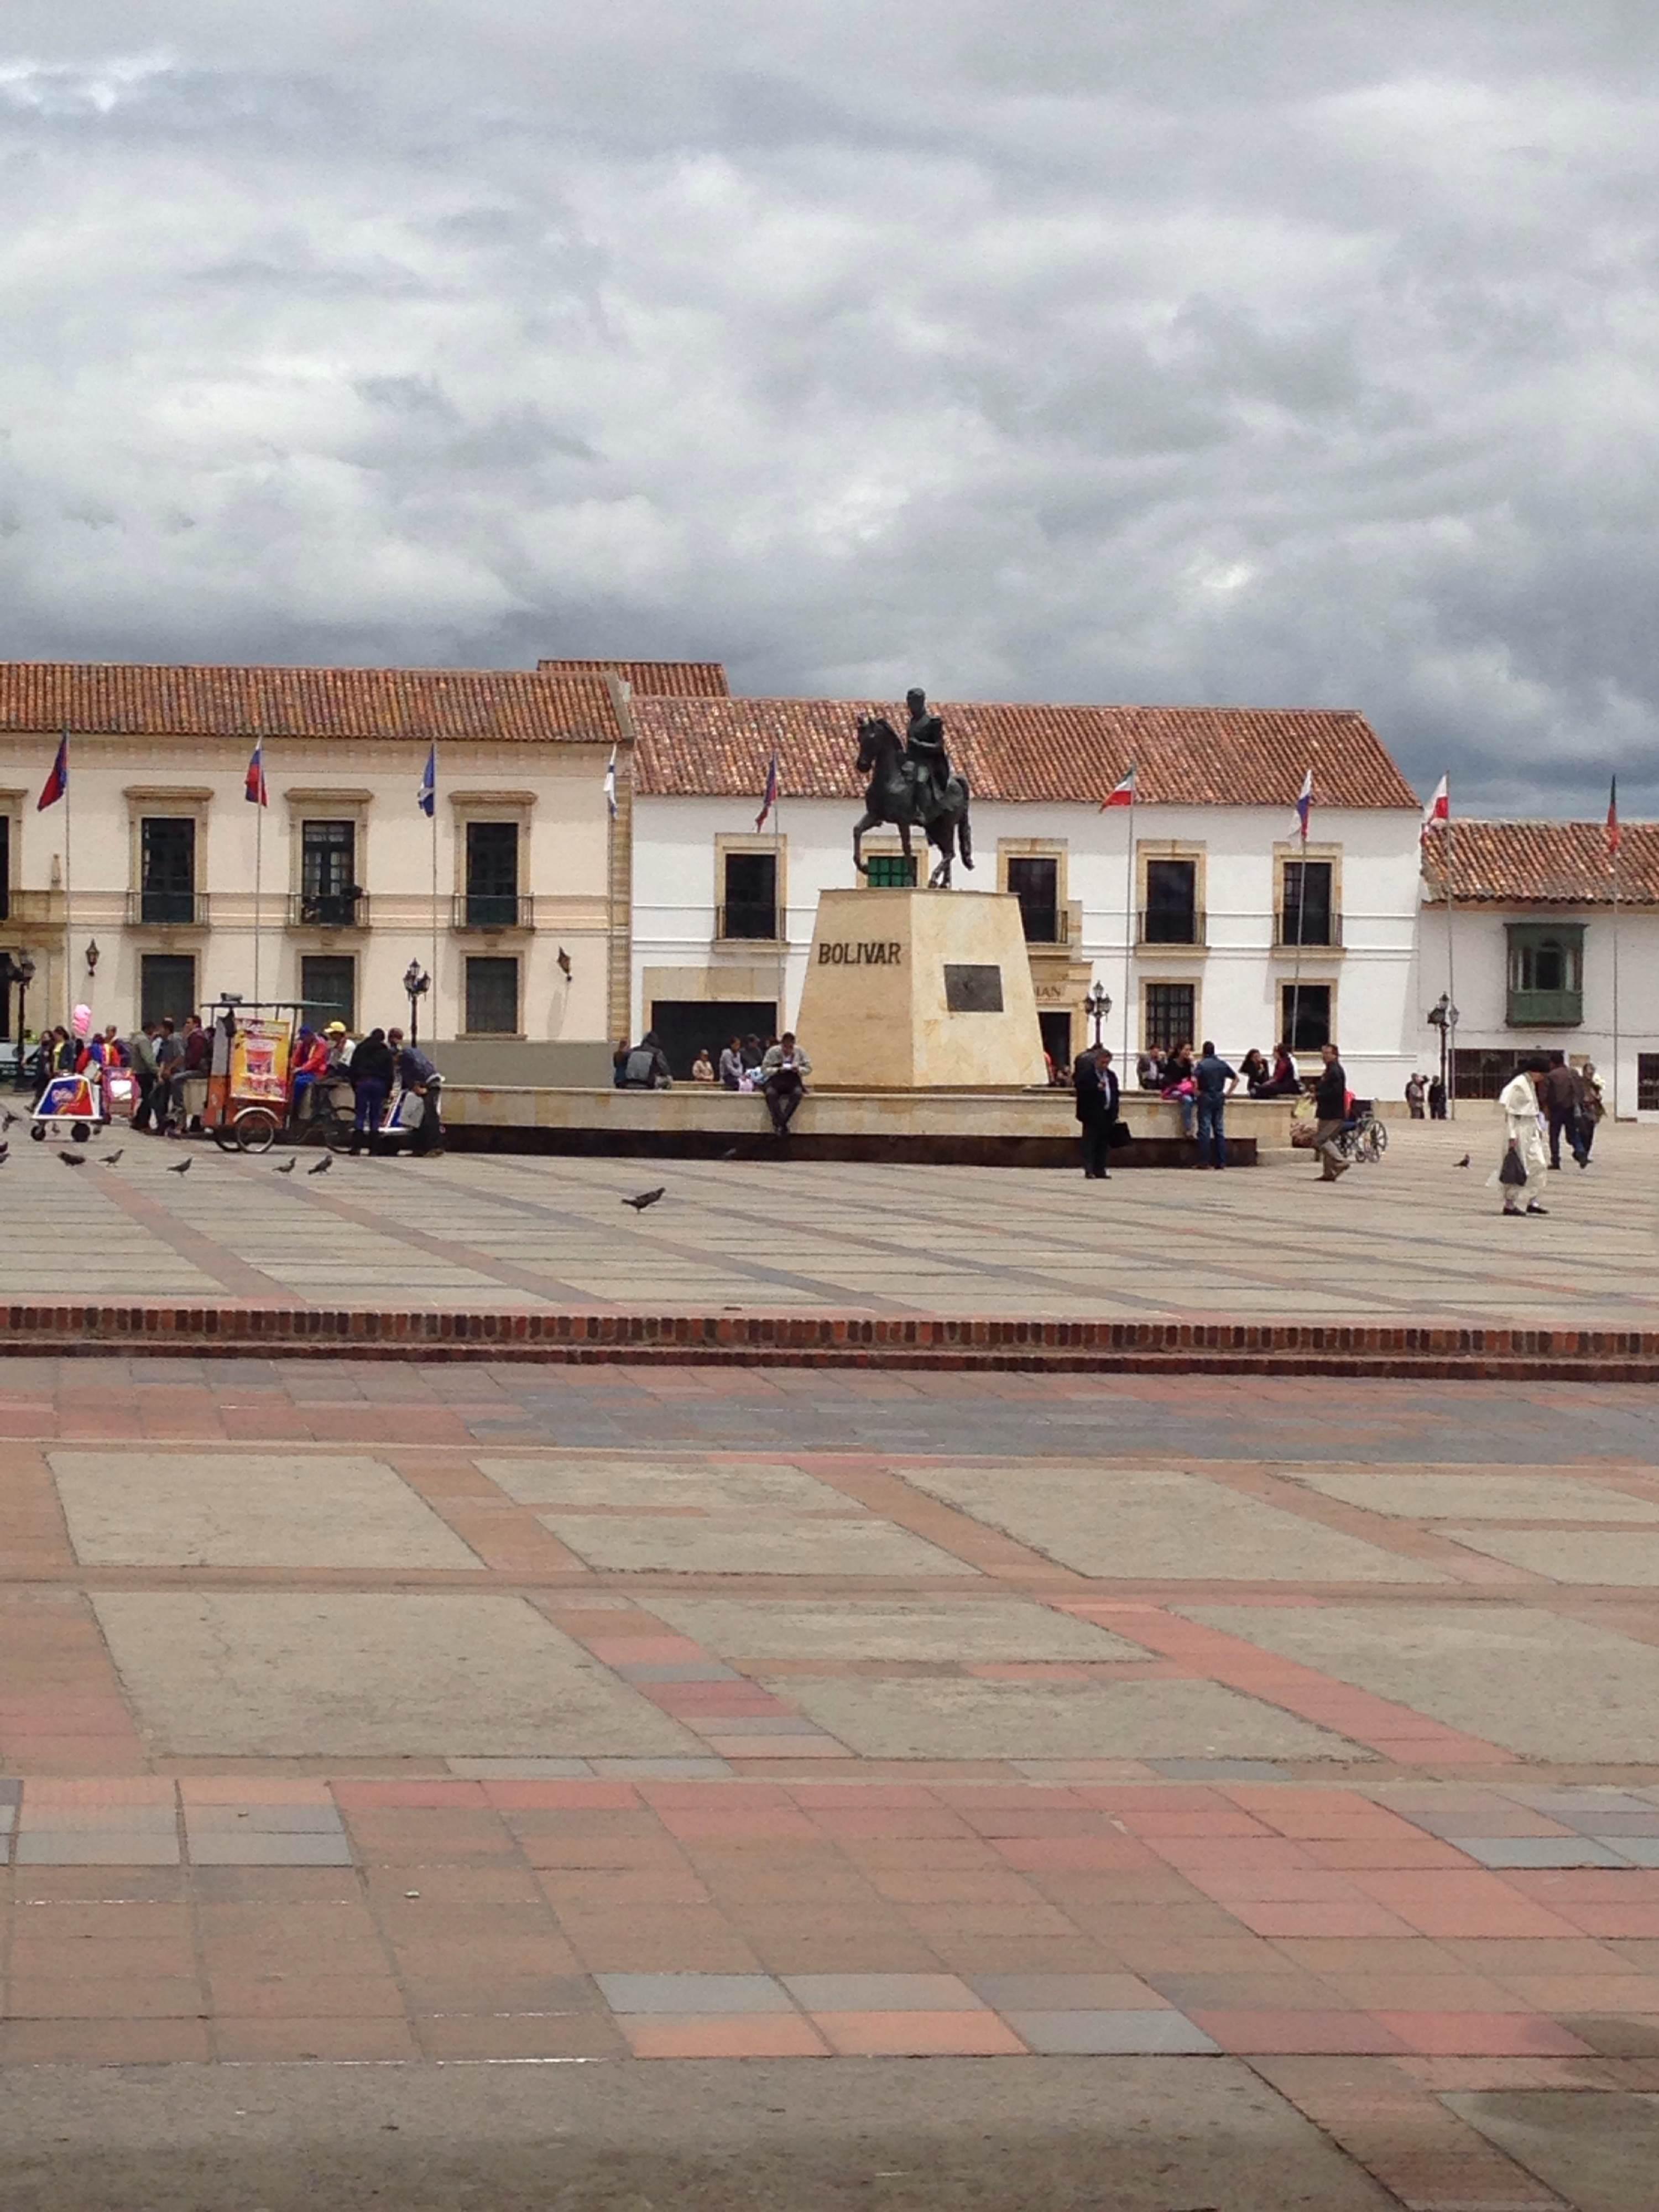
<point>1464,1161</point>
<point>646,1198</point>
<point>114,1156</point>
<point>183,1168</point>
<point>322,1166</point>
<point>287,1167</point>
<point>73,1160</point>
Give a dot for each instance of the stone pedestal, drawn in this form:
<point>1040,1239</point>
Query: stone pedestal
<point>915,990</point>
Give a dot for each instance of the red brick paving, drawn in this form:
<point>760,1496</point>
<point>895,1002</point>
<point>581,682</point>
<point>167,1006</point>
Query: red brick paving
<point>1329,1928</point>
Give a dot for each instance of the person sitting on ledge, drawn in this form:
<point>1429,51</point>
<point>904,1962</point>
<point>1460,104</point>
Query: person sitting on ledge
<point>782,1073</point>
<point>646,1067</point>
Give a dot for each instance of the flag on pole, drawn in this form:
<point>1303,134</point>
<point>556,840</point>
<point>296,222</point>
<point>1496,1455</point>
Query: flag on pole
<point>1612,821</point>
<point>1121,795</point>
<point>1440,807</point>
<point>1304,807</point>
<point>770,799</point>
<point>610,785</point>
<point>426,797</point>
<point>58,783</point>
<point>254,789</point>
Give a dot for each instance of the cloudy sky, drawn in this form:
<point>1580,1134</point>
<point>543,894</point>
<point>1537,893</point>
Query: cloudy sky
<point>1279,351</point>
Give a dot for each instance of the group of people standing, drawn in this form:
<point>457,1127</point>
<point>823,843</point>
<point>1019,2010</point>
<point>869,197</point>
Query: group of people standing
<point>1205,1085</point>
<point>374,1066</point>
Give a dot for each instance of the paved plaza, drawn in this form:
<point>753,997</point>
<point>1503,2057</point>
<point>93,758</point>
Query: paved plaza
<point>1414,1238</point>
<point>1148,1790</point>
<point>1251,1784</point>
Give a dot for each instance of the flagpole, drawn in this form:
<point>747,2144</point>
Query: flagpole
<point>432,1003</point>
<point>1129,921</point>
<point>1615,983</point>
<point>69,899</point>
<point>1451,970</point>
<point>259,854</point>
<point>781,917</point>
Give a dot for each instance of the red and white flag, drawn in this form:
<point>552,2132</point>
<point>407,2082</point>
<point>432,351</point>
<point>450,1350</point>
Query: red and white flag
<point>1440,807</point>
<point>770,798</point>
<point>1304,808</point>
<point>1121,795</point>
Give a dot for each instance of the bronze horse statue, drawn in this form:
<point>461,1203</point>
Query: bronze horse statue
<point>897,795</point>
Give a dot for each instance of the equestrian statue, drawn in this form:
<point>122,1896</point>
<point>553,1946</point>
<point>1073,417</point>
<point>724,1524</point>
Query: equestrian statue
<point>914,786</point>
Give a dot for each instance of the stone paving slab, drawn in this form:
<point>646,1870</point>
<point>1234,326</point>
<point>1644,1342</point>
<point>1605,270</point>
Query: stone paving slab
<point>276,1676</point>
<point>908,1628</point>
<point>248,1510</point>
<point>1149,1524</point>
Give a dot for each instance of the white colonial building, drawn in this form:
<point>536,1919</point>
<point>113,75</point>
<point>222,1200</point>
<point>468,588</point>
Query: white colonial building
<point>1541,957</point>
<point>1186,910</point>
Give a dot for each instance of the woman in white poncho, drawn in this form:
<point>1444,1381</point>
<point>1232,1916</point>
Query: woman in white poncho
<point>1519,1101</point>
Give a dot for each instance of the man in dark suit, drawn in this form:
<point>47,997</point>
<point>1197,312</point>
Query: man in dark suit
<point>1094,1082</point>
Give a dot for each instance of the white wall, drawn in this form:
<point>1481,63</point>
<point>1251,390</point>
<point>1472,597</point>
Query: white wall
<point>1238,974</point>
<point>1480,986</point>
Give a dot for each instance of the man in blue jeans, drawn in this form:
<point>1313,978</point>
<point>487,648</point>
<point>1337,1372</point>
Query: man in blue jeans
<point>1214,1082</point>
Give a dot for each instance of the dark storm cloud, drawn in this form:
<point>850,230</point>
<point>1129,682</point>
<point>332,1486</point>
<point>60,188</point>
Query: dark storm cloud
<point>1232,351</point>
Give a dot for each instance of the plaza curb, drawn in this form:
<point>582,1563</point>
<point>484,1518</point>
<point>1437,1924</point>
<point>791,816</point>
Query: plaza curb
<point>1427,1350</point>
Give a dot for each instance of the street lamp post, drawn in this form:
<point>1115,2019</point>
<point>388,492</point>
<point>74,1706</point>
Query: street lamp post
<point>21,972</point>
<point>1444,1016</point>
<point>1098,1006</point>
<point>416,983</point>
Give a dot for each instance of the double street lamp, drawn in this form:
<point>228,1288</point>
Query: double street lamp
<point>21,972</point>
<point>1444,1016</point>
<point>416,984</point>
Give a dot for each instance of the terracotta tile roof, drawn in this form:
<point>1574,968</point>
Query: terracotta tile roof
<point>1545,863</point>
<point>133,699</point>
<point>661,679</point>
<point>1185,755</point>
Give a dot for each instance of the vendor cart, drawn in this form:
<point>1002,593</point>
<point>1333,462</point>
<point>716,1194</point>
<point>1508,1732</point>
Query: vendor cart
<point>249,1104</point>
<point>72,1106</point>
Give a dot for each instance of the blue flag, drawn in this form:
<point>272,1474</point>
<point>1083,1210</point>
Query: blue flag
<point>426,797</point>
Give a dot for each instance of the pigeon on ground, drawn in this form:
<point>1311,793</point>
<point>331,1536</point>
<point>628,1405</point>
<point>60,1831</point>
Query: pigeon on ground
<point>183,1168</point>
<point>114,1156</point>
<point>646,1198</point>
<point>322,1166</point>
<point>8,1119</point>
<point>73,1160</point>
<point>1464,1161</point>
<point>287,1167</point>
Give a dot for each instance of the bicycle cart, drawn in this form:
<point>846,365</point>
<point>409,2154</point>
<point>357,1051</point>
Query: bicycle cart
<point>249,1104</point>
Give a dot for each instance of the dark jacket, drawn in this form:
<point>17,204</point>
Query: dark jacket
<point>372,1062</point>
<point>1331,1099</point>
<point>1561,1091</point>
<point>1097,1089</point>
<point>646,1068</point>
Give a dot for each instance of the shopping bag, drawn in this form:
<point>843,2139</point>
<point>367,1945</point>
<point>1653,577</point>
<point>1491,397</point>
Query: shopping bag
<point>1513,1172</point>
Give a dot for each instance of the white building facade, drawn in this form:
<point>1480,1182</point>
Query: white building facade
<point>1185,910</point>
<point>1542,958</point>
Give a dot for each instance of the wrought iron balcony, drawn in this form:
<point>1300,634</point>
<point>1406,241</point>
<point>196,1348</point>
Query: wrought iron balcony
<point>347,909</point>
<point>1171,926</point>
<point>493,910</point>
<point>748,918</point>
<point>154,909</point>
<point>1310,928</point>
